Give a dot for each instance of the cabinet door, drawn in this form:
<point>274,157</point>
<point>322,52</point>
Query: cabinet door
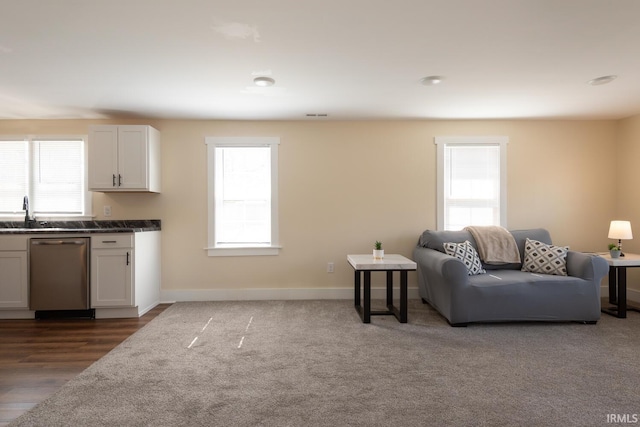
<point>103,158</point>
<point>132,158</point>
<point>111,278</point>
<point>14,289</point>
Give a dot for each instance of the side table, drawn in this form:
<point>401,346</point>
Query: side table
<point>618,283</point>
<point>365,264</point>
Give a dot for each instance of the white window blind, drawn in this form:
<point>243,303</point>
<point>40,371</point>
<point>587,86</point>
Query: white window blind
<point>50,171</point>
<point>58,177</point>
<point>243,196</point>
<point>471,181</point>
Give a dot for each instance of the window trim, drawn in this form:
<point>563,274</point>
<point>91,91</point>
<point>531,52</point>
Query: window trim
<point>239,249</point>
<point>88,195</point>
<point>441,142</point>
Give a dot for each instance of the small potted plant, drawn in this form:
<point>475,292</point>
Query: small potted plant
<point>378,252</point>
<point>614,250</point>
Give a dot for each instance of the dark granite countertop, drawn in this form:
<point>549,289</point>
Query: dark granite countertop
<point>86,227</point>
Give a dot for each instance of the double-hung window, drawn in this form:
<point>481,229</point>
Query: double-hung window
<point>49,170</point>
<point>242,195</point>
<point>472,181</point>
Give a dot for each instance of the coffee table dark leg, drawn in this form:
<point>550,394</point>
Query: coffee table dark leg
<point>356,293</point>
<point>620,300</point>
<point>622,292</point>
<point>403,296</point>
<point>363,305</point>
<point>389,288</point>
<point>612,285</point>
<point>367,297</point>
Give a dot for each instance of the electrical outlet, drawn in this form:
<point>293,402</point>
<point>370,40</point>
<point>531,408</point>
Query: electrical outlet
<point>106,210</point>
<point>330,267</point>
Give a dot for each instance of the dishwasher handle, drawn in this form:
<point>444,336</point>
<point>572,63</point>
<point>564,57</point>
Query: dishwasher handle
<point>58,242</point>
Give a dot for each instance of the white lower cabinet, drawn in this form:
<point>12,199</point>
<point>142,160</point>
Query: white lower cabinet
<point>14,284</point>
<point>112,271</point>
<point>125,273</point>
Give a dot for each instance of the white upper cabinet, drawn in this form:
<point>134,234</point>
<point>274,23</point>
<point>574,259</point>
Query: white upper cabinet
<point>124,158</point>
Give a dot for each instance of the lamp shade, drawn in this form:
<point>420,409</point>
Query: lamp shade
<point>620,230</point>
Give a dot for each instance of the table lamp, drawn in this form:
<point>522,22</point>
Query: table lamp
<point>620,230</point>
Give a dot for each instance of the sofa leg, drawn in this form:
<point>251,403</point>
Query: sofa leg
<point>424,301</point>
<point>458,325</point>
<point>591,322</point>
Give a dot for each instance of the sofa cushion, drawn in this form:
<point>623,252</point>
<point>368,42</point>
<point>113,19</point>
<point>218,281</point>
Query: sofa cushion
<point>435,239</point>
<point>467,254</point>
<point>539,234</point>
<point>542,258</point>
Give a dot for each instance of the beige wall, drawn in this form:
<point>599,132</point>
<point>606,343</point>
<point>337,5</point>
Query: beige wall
<point>627,178</point>
<point>344,185</point>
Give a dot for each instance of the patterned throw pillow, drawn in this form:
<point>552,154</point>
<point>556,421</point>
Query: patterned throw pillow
<point>467,254</point>
<point>546,259</point>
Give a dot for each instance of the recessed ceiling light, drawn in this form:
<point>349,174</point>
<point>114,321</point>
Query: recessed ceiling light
<point>431,80</point>
<point>264,81</point>
<point>601,80</point>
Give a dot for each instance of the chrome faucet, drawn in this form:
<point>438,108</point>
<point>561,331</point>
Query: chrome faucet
<point>25,207</point>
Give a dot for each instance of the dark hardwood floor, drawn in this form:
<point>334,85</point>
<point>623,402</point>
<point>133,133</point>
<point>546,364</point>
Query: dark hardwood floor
<point>39,356</point>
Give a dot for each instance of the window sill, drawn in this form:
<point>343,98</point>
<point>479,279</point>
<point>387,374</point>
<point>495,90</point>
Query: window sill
<point>244,250</point>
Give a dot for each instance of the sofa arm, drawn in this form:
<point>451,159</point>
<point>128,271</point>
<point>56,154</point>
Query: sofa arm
<point>586,266</point>
<point>439,269</point>
<point>441,278</point>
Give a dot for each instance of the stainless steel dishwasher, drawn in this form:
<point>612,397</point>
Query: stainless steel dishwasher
<point>59,277</point>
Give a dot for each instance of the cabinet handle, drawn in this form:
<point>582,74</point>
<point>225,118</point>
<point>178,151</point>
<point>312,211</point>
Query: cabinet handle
<point>114,179</point>
<point>119,180</point>
<point>57,242</point>
<point>127,258</point>
<point>108,241</point>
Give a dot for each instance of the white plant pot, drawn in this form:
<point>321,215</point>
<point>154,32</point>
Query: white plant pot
<point>378,254</point>
<point>614,254</point>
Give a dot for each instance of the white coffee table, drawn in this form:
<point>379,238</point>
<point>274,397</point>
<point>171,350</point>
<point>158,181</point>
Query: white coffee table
<point>618,283</point>
<point>391,262</point>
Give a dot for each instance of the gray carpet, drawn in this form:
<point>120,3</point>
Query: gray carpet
<point>313,363</point>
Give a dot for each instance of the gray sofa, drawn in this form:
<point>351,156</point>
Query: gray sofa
<point>505,293</point>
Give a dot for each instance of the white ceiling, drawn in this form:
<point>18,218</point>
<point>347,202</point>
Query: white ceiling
<point>350,59</point>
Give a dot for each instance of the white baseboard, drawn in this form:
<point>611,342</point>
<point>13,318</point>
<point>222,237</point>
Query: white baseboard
<point>117,313</point>
<point>168,296</point>
<point>632,294</point>
<point>17,314</point>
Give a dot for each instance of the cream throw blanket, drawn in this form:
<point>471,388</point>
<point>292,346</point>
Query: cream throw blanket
<point>495,244</point>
